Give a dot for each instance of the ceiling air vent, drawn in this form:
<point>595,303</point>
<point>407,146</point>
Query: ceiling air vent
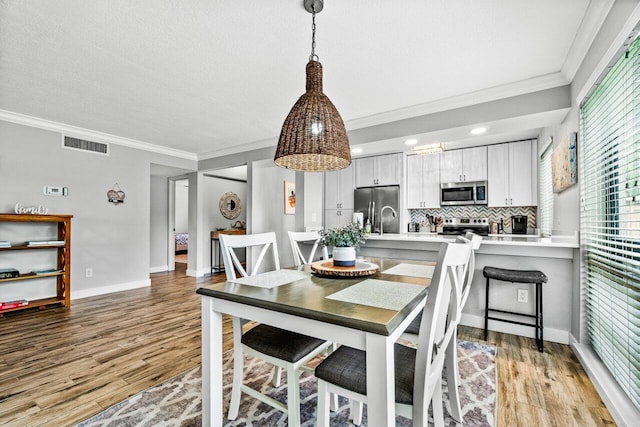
<point>82,144</point>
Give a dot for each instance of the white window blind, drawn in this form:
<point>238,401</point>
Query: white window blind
<point>545,202</point>
<point>610,218</point>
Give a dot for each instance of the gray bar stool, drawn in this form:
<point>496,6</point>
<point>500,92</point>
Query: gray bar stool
<point>517,276</point>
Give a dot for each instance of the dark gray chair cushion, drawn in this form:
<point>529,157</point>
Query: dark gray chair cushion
<point>278,343</point>
<point>346,368</point>
<point>516,276</point>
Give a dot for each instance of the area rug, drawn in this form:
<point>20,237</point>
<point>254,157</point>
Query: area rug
<point>177,401</point>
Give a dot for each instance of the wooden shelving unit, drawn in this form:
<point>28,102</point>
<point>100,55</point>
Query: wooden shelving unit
<point>63,264</point>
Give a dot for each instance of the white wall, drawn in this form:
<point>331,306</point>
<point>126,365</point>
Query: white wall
<point>212,189</point>
<point>268,206</point>
<point>312,185</point>
<point>112,240</point>
<point>158,223</point>
<point>182,206</point>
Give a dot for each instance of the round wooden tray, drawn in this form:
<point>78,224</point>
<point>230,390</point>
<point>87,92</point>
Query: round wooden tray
<point>361,269</point>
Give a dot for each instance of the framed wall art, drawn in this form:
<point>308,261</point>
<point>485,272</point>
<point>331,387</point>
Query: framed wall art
<point>289,198</point>
<point>564,163</point>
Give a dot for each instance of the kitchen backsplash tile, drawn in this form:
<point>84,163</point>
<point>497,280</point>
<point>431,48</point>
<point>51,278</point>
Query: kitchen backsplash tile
<point>494,214</point>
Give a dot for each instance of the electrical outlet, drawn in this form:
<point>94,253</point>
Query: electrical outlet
<point>88,272</point>
<point>523,295</point>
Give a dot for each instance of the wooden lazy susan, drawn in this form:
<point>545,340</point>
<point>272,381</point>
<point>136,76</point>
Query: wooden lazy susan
<point>361,269</point>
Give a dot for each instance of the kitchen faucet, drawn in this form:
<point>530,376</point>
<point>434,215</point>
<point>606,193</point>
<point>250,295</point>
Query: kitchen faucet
<point>393,212</point>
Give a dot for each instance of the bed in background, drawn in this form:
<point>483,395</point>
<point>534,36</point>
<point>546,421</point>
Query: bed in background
<point>182,243</point>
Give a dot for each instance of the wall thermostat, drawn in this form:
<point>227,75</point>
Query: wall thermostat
<point>55,191</point>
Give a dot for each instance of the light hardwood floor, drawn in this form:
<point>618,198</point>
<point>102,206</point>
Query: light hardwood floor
<point>59,367</point>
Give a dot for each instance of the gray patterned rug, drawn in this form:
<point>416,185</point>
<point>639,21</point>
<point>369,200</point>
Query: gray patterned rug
<point>177,401</point>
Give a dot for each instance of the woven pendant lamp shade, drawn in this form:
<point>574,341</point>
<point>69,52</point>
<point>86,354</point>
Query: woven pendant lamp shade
<point>313,137</point>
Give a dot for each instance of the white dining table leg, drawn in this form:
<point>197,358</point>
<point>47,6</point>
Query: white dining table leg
<point>211,364</point>
<point>380,381</point>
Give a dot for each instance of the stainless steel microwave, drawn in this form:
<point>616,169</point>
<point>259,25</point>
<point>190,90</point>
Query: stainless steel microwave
<point>463,193</point>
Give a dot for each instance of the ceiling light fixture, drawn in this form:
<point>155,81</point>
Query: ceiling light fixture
<point>356,150</point>
<point>313,136</point>
<point>411,141</point>
<point>429,149</point>
<point>478,131</point>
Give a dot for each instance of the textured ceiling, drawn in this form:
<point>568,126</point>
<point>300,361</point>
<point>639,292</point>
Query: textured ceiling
<point>214,77</point>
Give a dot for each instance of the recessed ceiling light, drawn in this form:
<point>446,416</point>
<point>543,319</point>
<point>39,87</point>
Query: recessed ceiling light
<point>478,131</point>
<point>411,141</point>
<point>356,150</point>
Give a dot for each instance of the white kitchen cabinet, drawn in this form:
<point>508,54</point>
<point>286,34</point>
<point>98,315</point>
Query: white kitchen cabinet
<point>468,164</point>
<point>512,177</point>
<point>379,170</point>
<point>423,181</point>
<point>338,188</point>
<point>337,217</point>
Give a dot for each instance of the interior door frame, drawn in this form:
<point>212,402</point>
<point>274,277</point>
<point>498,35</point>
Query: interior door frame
<point>171,222</point>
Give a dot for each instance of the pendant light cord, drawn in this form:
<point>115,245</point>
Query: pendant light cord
<point>313,56</point>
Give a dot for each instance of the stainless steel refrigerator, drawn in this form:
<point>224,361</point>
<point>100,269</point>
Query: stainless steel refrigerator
<point>370,201</point>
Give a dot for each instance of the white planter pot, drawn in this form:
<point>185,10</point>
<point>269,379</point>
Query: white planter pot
<point>344,257</point>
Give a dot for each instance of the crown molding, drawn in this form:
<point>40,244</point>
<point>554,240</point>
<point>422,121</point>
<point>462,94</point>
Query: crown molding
<point>535,84</point>
<point>256,145</point>
<point>618,45</point>
<point>92,135</point>
<point>594,17</point>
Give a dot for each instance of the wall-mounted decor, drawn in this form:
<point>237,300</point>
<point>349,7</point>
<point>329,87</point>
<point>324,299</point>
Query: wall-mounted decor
<point>33,210</point>
<point>289,198</point>
<point>564,163</point>
<point>230,206</point>
<point>115,195</point>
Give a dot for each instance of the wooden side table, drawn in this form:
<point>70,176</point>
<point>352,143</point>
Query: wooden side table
<point>219,267</point>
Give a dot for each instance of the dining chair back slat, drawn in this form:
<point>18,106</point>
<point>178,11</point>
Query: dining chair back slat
<point>297,237</point>
<point>230,242</point>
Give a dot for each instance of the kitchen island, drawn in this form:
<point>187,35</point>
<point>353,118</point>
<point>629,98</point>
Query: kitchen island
<point>557,257</point>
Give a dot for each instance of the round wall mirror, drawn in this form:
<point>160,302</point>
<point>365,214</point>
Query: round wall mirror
<point>230,205</point>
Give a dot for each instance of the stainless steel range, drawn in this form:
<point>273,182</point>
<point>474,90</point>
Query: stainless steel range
<point>459,226</point>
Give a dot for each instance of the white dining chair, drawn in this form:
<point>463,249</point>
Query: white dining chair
<point>298,237</point>
<point>451,362</point>
<point>418,372</point>
<point>284,349</point>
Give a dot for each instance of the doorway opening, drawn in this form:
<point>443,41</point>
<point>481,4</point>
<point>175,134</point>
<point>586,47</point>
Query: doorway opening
<point>227,207</point>
<point>181,224</point>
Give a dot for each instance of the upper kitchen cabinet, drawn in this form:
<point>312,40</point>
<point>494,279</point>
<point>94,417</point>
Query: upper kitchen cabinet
<point>337,217</point>
<point>469,164</point>
<point>379,170</point>
<point>423,181</point>
<point>338,188</point>
<point>512,176</point>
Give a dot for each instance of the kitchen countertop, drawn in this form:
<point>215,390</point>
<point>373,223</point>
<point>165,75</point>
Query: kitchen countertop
<point>492,239</point>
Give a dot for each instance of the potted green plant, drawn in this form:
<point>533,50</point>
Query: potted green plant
<point>344,240</point>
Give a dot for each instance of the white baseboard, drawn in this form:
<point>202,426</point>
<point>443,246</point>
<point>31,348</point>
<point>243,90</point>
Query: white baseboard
<point>550,334</point>
<point>92,292</point>
<point>199,273</point>
<point>159,269</point>
<point>619,405</point>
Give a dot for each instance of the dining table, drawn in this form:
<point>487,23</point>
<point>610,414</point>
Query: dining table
<point>367,312</point>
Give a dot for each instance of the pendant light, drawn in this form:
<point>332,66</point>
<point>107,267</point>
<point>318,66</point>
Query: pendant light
<point>313,136</point>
